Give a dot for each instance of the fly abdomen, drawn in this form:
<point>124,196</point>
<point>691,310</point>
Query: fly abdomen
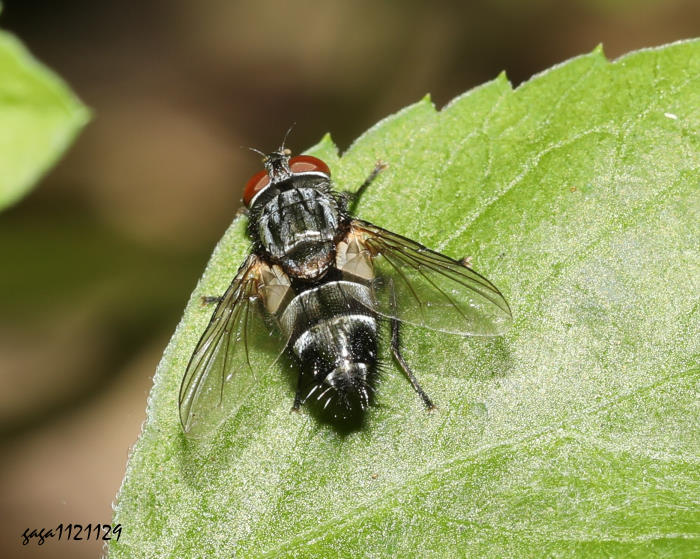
<point>332,332</point>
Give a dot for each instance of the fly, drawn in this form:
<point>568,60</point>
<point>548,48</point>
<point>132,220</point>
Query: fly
<point>316,284</point>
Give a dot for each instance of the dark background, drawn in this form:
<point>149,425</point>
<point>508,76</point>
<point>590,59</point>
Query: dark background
<point>98,262</point>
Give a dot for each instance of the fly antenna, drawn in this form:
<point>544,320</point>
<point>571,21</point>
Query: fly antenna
<point>284,141</point>
<point>255,150</point>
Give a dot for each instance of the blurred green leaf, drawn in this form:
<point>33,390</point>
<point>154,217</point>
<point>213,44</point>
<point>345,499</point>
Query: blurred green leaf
<point>39,117</point>
<point>575,434</point>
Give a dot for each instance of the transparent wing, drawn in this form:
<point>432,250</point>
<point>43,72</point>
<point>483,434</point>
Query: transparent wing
<point>431,290</point>
<point>236,344</point>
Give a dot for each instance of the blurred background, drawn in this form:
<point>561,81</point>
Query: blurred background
<point>99,261</point>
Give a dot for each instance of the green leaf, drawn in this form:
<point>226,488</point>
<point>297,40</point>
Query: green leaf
<point>574,434</point>
<point>39,117</point>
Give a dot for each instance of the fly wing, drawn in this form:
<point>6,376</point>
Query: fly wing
<point>237,341</point>
<point>431,289</point>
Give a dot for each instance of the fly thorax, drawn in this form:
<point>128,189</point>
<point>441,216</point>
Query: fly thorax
<point>297,229</point>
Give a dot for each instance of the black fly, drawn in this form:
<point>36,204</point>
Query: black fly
<point>316,284</point>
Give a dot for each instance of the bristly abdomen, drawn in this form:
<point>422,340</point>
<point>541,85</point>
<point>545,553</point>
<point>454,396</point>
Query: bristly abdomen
<point>337,346</point>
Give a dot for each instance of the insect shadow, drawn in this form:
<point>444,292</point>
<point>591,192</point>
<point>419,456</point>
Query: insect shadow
<point>343,420</point>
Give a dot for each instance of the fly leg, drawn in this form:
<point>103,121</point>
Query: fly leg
<point>396,350</point>
<point>354,197</point>
<point>297,397</point>
<point>209,299</point>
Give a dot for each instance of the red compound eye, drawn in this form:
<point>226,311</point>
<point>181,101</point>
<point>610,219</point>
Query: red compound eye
<point>298,164</point>
<point>257,182</point>
<point>308,164</point>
